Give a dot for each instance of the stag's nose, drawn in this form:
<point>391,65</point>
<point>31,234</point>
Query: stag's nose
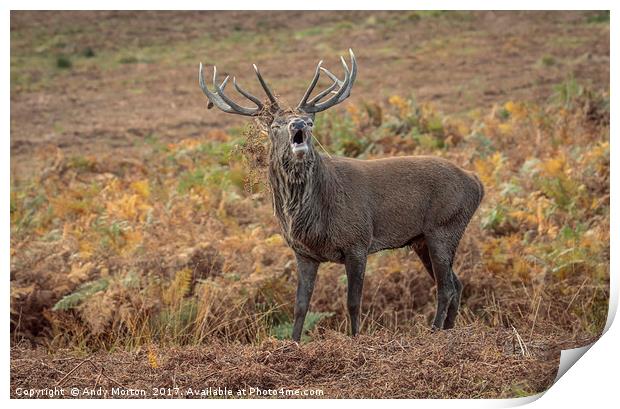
<point>297,124</point>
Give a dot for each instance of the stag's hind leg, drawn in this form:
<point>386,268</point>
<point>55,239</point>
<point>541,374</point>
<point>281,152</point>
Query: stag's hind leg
<point>423,253</point>
<point>453,309</point>
<point>442,244</point>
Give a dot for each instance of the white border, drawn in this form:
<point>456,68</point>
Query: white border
<point>593,379</point>
<point>314,5</point>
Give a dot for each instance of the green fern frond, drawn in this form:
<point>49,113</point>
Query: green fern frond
<point>284,330</point>
<point>82,293</point>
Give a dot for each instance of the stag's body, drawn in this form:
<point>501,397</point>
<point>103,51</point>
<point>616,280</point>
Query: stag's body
<point>341,209</point>
<point>342,205</point>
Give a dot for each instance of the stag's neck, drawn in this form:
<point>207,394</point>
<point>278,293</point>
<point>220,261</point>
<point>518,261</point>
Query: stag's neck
<point>303,195</point>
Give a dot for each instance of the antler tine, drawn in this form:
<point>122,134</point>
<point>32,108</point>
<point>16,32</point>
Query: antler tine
<point>345,89</point>
<point>246,94</point>
<point>326,91</point>
<point>222,101</point>
<point>213,98</point>
<point>353,74</point>
<point>323,93</point>
<point>272,99</point>
<point>223,84</point>
<point>343,84</point>
<point>343,92</point>
<point>332,76</point>
<point>236,107</point>
<point>313,83</point>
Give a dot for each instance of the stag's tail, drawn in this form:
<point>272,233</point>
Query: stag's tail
<point>480,188</point>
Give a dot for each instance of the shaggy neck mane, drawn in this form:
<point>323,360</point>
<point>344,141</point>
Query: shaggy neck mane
<point>303,195</point>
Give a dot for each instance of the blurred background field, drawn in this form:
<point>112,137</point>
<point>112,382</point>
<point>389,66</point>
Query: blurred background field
<point>140,224</point>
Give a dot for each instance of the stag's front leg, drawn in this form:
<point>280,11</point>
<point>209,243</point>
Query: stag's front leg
<point>306,276</point>
<point>355,264</point>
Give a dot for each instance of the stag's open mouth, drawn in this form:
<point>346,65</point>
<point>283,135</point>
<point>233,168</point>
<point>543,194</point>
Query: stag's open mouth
<point>298,137</point>
<point>298,143</point>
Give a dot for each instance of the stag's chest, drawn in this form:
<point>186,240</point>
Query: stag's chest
<point>310,248</point>
<point>306,230</point>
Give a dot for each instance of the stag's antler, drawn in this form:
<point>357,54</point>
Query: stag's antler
<point>341,94</point>
<point>223,102</point>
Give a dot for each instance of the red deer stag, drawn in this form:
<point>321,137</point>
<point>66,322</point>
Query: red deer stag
<point>341,209</point>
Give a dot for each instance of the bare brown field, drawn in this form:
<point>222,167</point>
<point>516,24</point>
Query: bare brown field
<point>144,251</point>
<point>142,78</point>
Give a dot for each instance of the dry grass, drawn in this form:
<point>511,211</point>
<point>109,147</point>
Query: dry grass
<point>175,249</point>
<point>469,362</point>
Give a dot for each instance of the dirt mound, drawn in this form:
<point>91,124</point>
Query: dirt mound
<point>467,362</point>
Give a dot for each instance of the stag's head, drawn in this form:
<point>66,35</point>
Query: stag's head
<point>290,130</point>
